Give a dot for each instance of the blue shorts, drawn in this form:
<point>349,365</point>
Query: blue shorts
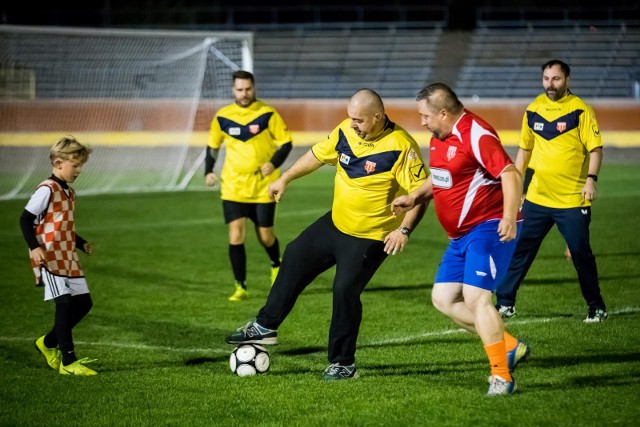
<point>478,258</point>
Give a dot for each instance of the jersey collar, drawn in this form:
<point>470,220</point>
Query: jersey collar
<point>62,182</point>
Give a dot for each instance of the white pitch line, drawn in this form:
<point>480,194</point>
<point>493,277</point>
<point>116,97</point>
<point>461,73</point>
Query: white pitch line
<point>399,340</point>
<point>131,346</point>
<point>449,332</point>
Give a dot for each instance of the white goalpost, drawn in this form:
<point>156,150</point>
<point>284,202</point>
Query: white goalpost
<point>133,96</point>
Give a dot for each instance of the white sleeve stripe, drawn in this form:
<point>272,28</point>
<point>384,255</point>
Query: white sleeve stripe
<point>478,132</point>
<point>476,182</point>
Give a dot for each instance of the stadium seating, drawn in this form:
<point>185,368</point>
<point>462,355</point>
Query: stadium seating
<point>502,62</point>
<point>505,62</point>
<point>333,63</point>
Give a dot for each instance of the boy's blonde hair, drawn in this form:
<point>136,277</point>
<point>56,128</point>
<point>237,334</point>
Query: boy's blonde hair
<point>68,148</point>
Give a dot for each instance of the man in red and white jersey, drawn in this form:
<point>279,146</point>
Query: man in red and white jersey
<point>476,190</point>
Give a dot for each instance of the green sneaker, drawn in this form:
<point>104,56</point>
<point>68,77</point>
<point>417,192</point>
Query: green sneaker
<point>78,368</point>
<point>51,355</point>
<point>240,294</point>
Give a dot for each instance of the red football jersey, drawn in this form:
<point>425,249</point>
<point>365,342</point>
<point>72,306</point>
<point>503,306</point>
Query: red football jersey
<point>465,170</point>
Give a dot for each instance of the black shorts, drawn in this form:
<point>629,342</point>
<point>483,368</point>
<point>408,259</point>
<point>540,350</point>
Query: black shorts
<point>262,214</point>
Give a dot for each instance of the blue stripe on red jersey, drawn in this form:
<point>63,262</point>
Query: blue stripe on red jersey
<point>245,132</point>
<point>549,130</point>
<point>357,167</point>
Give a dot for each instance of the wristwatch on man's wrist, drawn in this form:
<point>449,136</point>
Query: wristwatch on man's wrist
<point>406,231</point>
<point>593,177</point>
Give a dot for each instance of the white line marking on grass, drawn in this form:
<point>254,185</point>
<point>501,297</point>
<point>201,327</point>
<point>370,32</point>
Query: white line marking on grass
<point>625,310</point>
<point>414,337</point>
<point>452,332</point>
<point>132,346</point>
<point>154,347</point>
<point>409,339</point>
<point>399,340</point>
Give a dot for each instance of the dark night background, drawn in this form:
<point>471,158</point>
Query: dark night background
<point>200,14</point>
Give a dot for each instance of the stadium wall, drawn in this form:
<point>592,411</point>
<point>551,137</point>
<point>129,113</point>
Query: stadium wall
<point>157,122</point>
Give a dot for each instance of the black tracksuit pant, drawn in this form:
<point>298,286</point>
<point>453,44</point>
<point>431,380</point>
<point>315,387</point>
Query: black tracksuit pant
<point>573,224</point>
<point>315,250</point>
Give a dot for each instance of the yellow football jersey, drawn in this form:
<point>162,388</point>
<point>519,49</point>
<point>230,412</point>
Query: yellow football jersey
<point>560,134</point>
<point>251,136</point>
<point>369,175</point>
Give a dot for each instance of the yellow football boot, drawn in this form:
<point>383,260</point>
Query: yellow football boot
<point>78,368</point>
<point>240,294</point>
<point>51,355</point>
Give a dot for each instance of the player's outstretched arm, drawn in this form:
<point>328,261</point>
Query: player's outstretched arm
<point>422,195</point>
<point>306,164</point>
<point>276,189</point>
<point>396,241</point>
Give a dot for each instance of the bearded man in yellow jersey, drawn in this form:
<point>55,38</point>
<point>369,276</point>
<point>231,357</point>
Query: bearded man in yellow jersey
<point>561,132</point>
<point>376,161</point>
<point>257,143</point>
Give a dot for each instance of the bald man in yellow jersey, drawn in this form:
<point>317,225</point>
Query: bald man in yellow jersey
<point>257,143</point>
<point>560,132</point>
<point>376,161</point>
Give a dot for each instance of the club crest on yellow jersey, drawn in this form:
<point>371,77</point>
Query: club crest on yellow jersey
<point>369,166</point>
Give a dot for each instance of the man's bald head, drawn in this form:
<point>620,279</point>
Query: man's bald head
<point>368,101</point>
<point>366,112</point>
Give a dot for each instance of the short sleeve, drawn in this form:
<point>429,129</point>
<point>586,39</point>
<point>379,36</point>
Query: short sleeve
<point>411,171</point>
<point>325,151</point>
<point>589,130</point>
<point>278,130</point>
<point>494,157</point>
<point>39,201</point>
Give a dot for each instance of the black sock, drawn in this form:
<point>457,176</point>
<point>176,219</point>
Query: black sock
<point>63,327</point>
<point>51,340</point>
<point>274,253</point>
<point>238,257</point>
<point>68,357</point>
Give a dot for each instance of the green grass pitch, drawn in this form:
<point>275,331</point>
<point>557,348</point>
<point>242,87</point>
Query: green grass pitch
<point>160,279</point>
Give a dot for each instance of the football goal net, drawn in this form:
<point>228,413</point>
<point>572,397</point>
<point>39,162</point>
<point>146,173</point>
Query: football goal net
<point>133,96</point>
